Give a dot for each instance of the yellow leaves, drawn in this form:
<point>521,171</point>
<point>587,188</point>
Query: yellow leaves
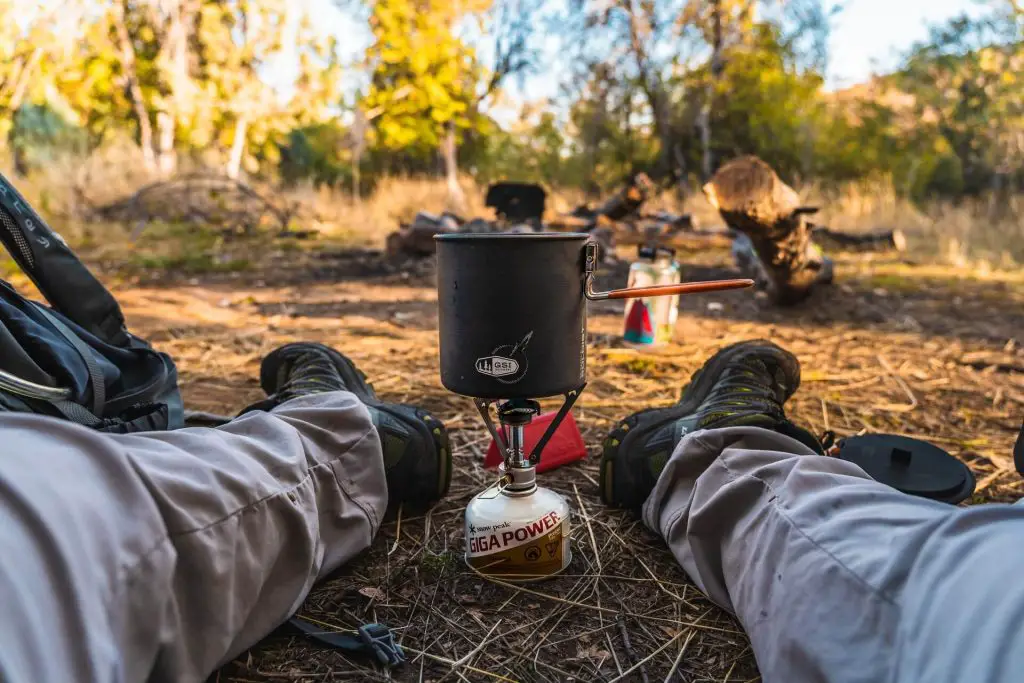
<point>391,55</point>
<point>417,55</point>
<point>436,93</point>
<point>420,61</point>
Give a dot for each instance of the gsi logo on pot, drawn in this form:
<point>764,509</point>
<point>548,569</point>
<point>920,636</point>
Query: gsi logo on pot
<point>497,366</point>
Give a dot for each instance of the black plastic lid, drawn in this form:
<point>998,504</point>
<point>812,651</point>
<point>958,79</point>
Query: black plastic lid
<point>910,465</point>
<point>646,252</point>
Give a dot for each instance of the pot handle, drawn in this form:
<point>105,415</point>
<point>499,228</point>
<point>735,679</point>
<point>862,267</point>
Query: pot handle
<point>657,290</point>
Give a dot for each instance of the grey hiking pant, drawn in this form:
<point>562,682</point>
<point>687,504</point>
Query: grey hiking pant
<point>159,556</point>
<point>836,577</point>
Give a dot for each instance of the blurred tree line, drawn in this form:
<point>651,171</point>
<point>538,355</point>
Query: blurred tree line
<point>670,87</point>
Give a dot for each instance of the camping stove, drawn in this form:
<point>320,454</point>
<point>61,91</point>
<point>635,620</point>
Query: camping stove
<point>512,324</point>
<point>515,529</point>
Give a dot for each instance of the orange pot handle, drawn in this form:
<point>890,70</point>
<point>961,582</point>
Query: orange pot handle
<point>667,290</point>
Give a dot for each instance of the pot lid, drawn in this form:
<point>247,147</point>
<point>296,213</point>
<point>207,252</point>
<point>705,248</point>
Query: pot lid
<point>910,465</point>
<point>511,236</point>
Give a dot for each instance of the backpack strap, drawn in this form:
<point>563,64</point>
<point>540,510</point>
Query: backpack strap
<point>96,380</point>
<point>28,393</point>
<point>76,413</point>
<point>376,640</point>
<point>64,280</point>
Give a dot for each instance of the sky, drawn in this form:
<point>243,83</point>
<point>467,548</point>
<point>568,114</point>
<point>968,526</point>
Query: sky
<point>868,36</point>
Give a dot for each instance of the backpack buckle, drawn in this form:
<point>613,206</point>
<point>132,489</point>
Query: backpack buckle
<point>379,639</point>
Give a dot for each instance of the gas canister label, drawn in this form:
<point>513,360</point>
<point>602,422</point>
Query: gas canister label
<point>534,549</point>
<point>492,538</point>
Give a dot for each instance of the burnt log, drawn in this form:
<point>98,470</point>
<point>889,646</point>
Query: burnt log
<point>683,221</point>
<point>626,202</point>
<point>517,202</point>
<point>689,240</point>
<point>417,238</point>
<point>866,241</point>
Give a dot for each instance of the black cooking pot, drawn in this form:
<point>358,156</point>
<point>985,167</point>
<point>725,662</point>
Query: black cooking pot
<point>512,311</point>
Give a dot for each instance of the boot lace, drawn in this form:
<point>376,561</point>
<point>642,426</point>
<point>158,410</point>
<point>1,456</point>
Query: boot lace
<point>311,373</point>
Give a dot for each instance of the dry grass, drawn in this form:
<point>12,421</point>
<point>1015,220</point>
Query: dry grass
<point>922,349</point>
<point>396,199</point>
<point>986,233</point>
<point>928,351</point>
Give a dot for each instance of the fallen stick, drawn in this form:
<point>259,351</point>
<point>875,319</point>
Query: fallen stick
<point>879,239</point>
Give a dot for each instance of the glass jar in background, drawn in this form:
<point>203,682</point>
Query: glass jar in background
<point>652,321</point>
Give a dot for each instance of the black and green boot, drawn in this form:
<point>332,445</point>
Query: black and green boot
<point>745,384</point>
<point>417,457</point>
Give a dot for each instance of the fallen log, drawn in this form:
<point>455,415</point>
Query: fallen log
<point>623,205</point>
<point>682,221</point>
<point>627,201</point>
<point>753,200</point>
<point>868,241</point>
<point>417,238</point>
<point>689,240</point>
<point>516,202</point>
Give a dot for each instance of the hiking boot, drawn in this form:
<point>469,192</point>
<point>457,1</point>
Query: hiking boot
<point>745,384</point>
<point>417,457</point>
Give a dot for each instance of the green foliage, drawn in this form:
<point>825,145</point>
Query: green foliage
<point>424,78</point>
<point>316,153</point>
<point>647,83</point>
<point>764,105</point>
<point>39,135</point>
<point>968,91</point>
<point>211,91</point>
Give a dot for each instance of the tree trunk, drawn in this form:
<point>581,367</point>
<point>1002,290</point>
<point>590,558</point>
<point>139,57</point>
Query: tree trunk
<point>707,155</point>
<point>127,51</point>
<point>167,156</point>
<point>173,61</point>
<point>657,98</point>
<point>357,136</point>
<point>237,148</point>
<point>456,197</point>
<point>356,180</point>
<point>24,78</point>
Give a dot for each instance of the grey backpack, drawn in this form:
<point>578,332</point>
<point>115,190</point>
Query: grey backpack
<point>74,359</point>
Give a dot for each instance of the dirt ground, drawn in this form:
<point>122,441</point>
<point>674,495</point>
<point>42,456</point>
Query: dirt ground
<point>920,350</point>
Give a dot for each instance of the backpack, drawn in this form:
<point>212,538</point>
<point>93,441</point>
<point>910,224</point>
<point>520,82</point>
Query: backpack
<point>74,359</point>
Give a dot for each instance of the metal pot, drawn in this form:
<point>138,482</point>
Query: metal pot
<point>512,311</point>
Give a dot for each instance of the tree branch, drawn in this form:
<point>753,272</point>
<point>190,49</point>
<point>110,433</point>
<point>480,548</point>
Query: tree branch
<point>127,51</point>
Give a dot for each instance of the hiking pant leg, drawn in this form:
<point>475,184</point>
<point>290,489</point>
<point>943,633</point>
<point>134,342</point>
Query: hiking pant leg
<point>160,556</point>
<point>836,577</point>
